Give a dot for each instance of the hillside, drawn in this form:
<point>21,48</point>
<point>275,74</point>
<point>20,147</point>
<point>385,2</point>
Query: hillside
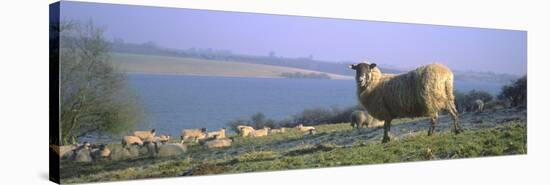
<point>491,133</point>
<point>152,64</point>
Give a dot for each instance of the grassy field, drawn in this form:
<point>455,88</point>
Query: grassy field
<point>333,145</point>
<point>136,63</point>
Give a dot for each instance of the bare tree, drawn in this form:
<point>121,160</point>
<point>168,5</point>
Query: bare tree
<point>95,99</point>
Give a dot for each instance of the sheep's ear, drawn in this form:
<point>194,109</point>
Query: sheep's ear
<point>373,65</point>
<point>352,66</point>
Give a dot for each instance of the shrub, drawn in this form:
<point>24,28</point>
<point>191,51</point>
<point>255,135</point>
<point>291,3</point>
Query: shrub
<point>464,102</point>
<point>311,116</point>
<point>516,92</point>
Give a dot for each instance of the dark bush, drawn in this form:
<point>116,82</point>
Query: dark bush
<point>465,102</point>
<point>311,116</point>
<point>516,92</point>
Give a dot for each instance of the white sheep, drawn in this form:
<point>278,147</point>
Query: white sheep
<point>122,153</point>
<point>279,130</point>
<point>478,106</point>
<point>303,128</point>
<point>194,134</point>
<point>244,131</point>
<point>425,91</point>
<point>360,119</point>
<point>102,152</point>
<point>171,149</point>
<point>218,134</point>
<point>83,153</point>
<point>260,132</point>
<point>145,134</point>
<point>65,151</point>
<point>164,138</point>
<point>218,143</point>
<point>131,140</point>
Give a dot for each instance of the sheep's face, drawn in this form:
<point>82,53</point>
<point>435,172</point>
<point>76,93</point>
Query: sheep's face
<point>363,72</point>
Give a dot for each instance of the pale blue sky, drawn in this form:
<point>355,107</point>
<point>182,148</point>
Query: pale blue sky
<point>396,44</point>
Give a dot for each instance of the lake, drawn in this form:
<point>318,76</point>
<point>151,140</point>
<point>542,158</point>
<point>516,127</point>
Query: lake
<point>175,102</point>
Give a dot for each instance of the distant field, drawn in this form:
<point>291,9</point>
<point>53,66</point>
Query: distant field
<point>136,63</point>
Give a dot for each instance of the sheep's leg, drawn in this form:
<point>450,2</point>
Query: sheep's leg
<point>387,127</point>
<point>456,125</point>
<point>433,124</point>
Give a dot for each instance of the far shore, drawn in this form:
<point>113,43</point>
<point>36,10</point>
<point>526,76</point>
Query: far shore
<point>342,77</point>
<point>165,65</point>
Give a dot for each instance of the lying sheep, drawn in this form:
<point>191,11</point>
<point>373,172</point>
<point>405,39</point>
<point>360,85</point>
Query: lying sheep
<point>424,91</point>
<point>218,143</point>
<point>218,134</point>
<point>163,138</point>
<point>65,151</point>
<point>244,131</point>
<point>145,134</point>
<point>303,128</point>
<point>360,119</point>
<point>194,134</point>
<point>123,153</point>
<point>171,149</point>
<point>152,148</point>
<point>131,140</point>
<point>275,131</point>
<point>83,153</point>
<point>312,132</point>
<point>478,106</point>
<point>101,153</point>
<point>260,132</point>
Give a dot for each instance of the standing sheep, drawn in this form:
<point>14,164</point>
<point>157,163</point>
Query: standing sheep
<point>194,134</point>
<point>478,106</point>
<point>424,91</point>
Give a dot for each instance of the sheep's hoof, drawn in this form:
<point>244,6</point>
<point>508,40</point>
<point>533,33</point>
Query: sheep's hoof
<point>385,139</point>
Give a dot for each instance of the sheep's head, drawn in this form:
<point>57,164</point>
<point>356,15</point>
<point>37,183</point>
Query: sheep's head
<point>86,145</point>
<point>364,72</point>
